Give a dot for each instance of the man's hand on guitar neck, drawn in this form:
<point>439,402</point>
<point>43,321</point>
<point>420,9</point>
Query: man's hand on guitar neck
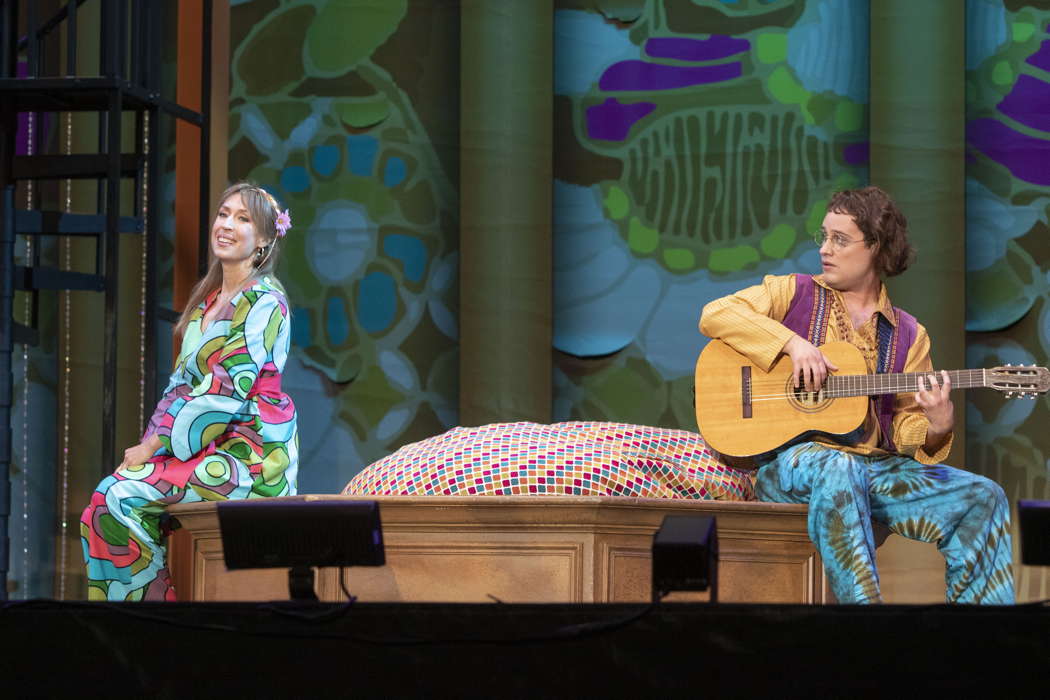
<point>936,403</point>
<point>808,361</point>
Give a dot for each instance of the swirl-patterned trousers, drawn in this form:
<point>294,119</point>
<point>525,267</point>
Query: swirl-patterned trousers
<point>122,530</point>
<point>966,515</point>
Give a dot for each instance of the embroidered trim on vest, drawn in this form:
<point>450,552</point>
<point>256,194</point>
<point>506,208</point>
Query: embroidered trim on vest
<point>889,335</point>
<point>887,343</point>
<point>818,321</point>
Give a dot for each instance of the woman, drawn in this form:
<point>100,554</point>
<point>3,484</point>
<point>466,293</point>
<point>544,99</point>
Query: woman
<point>223,429</point>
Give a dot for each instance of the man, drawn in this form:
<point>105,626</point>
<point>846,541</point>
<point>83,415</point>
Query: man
<point>892,474</point>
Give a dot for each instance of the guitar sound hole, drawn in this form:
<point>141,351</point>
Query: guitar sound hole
<point>806,401</point>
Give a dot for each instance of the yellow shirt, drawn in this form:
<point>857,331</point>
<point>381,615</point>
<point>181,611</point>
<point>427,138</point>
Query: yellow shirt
<point>749,321</point>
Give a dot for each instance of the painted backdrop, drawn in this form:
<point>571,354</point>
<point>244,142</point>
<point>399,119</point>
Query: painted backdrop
<point>1008,242</point>
<point>696,147</point>
<point>348,113</point>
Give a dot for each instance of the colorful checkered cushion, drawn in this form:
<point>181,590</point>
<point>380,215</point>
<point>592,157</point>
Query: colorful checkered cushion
<point>572,459</point>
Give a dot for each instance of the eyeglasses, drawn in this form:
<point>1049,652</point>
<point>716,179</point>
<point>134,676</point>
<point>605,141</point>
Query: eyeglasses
<point>837,239</point>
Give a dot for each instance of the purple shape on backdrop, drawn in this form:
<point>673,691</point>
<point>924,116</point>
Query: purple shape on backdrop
<point>611,121</point>
<point>22,126</point>
<point>639,75</point>
<point>1025,157</point>
<point>1041,58</point>
<point>682,49</point>
<point>856,153</point>
<point>1028,103</point>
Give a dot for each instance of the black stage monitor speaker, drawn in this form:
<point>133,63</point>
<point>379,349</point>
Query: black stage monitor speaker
<point>685,555</point>
<point>1034,519</point>
<point>300,534</point>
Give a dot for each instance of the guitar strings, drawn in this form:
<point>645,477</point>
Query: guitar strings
<point>903,382</point>
<point>830,394</point>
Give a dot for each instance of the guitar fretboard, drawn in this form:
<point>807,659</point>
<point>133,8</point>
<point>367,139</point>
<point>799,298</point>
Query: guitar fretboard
<point>838,386</point>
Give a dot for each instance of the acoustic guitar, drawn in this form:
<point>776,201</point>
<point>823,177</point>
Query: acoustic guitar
<point>743,411</point>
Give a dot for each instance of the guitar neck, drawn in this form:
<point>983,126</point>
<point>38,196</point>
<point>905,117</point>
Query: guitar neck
<point>877,384</point>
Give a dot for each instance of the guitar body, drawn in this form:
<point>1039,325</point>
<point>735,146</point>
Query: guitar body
<point>744,411</point>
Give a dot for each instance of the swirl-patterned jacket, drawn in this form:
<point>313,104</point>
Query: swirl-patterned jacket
<point>225,399</point>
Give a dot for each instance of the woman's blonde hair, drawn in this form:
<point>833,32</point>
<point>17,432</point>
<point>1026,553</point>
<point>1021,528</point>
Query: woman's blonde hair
<point>262,210</point>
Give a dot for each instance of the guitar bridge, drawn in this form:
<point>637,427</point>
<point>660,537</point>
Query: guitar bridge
<point>745,390</point>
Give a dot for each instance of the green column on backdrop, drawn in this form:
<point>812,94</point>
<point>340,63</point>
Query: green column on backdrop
<point>918,136</point>
<point>506,97</point>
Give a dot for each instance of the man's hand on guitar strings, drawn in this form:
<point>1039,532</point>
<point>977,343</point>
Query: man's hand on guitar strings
<point>936,403</point>
<point>809,361</point>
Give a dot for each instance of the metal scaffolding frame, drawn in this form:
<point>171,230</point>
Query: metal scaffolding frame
<point>128,82</point>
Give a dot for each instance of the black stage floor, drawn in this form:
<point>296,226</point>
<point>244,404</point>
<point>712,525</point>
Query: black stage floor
<point>238,650</point>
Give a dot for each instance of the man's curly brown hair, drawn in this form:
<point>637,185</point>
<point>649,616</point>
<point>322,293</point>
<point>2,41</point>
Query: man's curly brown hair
<point>882,224</point>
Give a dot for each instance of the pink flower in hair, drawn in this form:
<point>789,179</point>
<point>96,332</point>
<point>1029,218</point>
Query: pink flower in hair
<point>284,222</point>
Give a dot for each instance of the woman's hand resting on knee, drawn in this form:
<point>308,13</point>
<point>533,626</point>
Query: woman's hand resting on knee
<point>140,453</point>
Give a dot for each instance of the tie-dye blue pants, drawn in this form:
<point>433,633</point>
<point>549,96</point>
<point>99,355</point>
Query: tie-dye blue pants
<point>966,515</point>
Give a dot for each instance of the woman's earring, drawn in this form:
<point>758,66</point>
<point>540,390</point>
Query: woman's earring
<point>263,255</point>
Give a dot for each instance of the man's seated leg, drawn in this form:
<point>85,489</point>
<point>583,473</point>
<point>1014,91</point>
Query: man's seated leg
<point>835,485</point>
<point>965,514</point>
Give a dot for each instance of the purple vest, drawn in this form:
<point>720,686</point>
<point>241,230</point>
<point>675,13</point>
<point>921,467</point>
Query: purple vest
<point>808,316</point>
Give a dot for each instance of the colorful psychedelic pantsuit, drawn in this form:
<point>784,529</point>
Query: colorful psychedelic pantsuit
<point>965,514</point>
<point>227,430</point>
